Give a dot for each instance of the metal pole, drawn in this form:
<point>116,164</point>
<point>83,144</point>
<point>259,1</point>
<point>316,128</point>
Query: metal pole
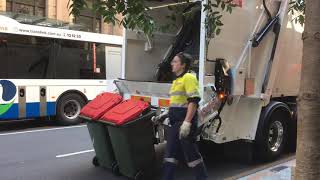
<point>124,52</point>
<point>202,53</point>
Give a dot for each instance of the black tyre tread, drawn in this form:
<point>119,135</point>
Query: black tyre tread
<point>60,117</point>
<point>263,152</point>
<point>292,143</point>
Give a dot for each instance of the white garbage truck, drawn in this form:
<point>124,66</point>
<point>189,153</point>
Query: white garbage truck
<point>248,75</point>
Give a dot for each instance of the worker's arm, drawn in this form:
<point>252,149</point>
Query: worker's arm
<point>186,125</point>
<point>192,90</point>
<point>192,109</point>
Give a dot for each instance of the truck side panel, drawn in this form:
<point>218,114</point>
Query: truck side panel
<point>286,69</point>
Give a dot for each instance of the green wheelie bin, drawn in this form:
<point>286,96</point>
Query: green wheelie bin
<point>102,146</point>
<point>98,131</point>
<point>133,145</point>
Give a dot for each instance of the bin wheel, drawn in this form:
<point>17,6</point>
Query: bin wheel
<point>139,176</point>
<point>115,169</point>
<point>95,161</point>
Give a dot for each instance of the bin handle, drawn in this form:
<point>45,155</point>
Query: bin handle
<point>150,114</point>
<point>85,118</point>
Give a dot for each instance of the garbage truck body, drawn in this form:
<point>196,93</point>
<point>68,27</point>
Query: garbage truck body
<point>251,69</point>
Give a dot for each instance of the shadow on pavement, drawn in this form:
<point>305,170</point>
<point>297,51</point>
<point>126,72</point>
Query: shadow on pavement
<point>28,124</point>
<point>218,165</point>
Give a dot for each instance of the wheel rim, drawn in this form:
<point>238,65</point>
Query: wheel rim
<point>71,109</point>
<point>275,136</point>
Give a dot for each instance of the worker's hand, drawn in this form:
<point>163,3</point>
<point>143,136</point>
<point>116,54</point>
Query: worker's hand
<point>184,129</point>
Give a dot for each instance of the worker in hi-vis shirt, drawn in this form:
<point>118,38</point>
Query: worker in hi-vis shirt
<point>181,142</point>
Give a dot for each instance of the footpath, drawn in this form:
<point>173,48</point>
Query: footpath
<point>284,171</point>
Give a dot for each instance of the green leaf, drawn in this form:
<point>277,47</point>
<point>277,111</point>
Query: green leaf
<point>229,9</point>
<point>206,7</point>
<point>301,19</point>
<point>218,17</point>
<point>215,13</point>
<point>218,2</point>
<point>218,31</point>
<point>223,5</point>
<point>219,23</point>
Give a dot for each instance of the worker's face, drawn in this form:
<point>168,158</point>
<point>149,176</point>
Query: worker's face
<point>177,66</point>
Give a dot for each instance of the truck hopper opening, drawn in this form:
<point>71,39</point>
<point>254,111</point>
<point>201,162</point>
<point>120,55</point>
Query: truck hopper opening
<point>187,40</point>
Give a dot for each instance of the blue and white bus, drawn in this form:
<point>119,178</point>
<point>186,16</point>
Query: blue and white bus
<point>52,71</point>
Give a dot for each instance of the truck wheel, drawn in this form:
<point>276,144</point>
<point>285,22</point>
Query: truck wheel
<point>272,137</point>
<point>292,143</point>
<point>68,109</point>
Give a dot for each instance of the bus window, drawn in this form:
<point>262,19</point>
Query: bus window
<point>69,57</point>
<point>75,60</point>
<point>100,61</point>
<point>87,63</point>
<point>94,62</point>
<point>29,57</point>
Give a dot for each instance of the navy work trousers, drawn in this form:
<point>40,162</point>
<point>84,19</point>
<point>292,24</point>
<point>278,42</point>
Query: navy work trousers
<point>184,149</point>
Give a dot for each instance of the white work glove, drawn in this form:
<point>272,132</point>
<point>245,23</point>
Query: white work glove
<point>184,129</point>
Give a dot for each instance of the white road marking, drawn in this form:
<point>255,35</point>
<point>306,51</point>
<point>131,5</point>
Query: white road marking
<point>41,130</point>
<point>75,153</point>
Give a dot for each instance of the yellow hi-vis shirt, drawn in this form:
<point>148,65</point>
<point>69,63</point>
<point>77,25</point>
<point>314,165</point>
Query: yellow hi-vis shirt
<point>182,89</point>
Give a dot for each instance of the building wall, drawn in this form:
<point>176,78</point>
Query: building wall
<point>2,5</point>
<point>57,9</point>
<point>63,11</point>
<point>51,7</point>
<point>110,29</point>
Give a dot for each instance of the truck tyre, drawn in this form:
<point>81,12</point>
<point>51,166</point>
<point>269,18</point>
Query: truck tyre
<point>68,109</point>
<point>272,134</point>
<point>292,141</point>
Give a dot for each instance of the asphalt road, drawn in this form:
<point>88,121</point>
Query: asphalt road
<point>40,150</point>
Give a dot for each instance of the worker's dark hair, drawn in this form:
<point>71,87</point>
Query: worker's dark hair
<point>185,59</point>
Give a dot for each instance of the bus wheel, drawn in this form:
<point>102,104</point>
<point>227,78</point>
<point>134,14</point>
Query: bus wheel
<point>272,135</point>
<point>68,109</point>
